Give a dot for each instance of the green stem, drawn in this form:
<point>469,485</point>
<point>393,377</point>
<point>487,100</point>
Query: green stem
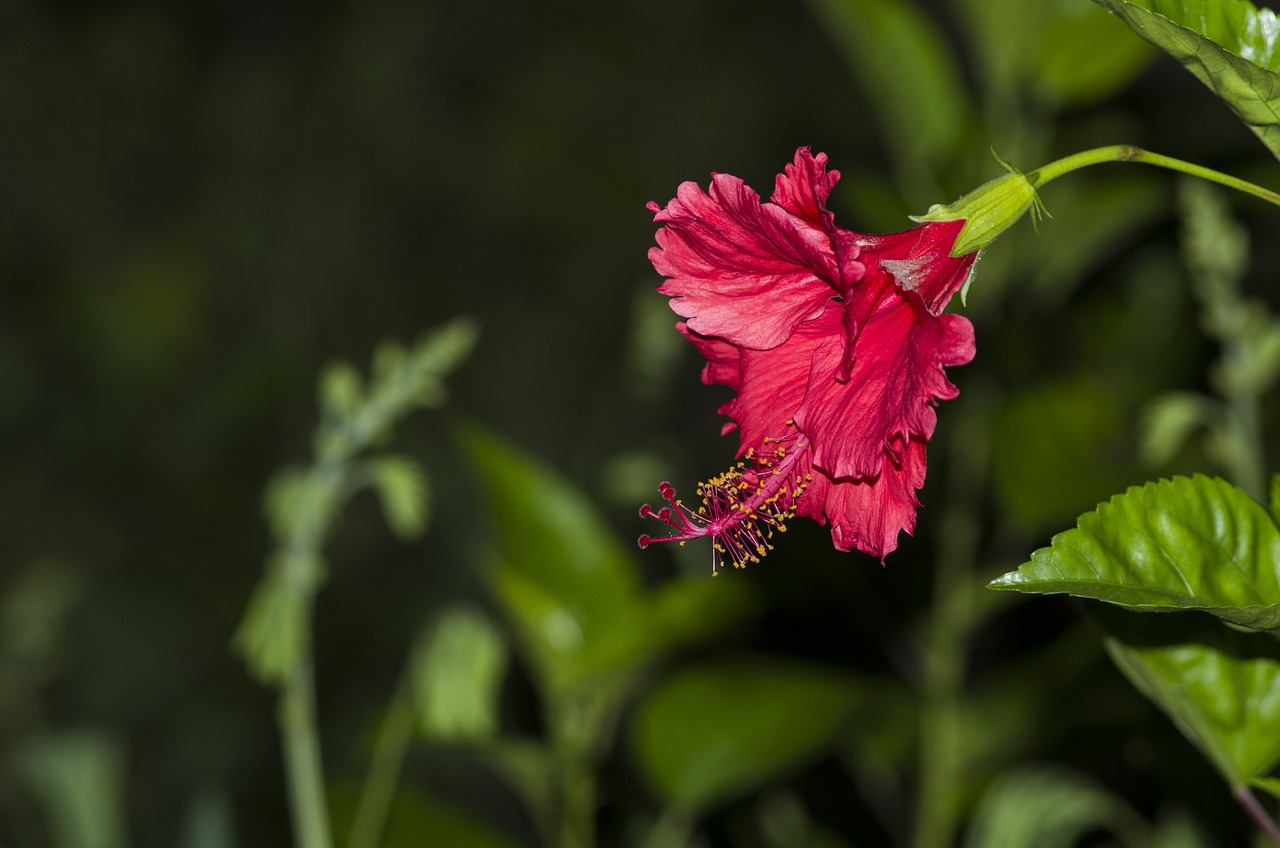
<point>947,641</point>
<point>1129,153</point>
<point>384,770</point>
<point>302,759</point>
<point>1249,472</point>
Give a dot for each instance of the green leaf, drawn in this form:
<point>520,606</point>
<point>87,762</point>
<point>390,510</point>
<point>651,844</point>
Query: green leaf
<point>456,676</point>
<point>78,778</point>
<point>1270,784</point>
<point>908,71</point>
<point>1195,543</point>
<point>710,732</point>
<point>341,390</point>
<point>1275,497</point>
<point>416,819</point>
<point>1054,460</point>
<point>209,822</point>
<point>1080,57</point>
<point>562,575</point>
<point>404,492</point>
<point>1221,687</point>
<point>1047,807</point>
<point>275,630</point>
<point>1230,45</point>
<point>1170,420</point>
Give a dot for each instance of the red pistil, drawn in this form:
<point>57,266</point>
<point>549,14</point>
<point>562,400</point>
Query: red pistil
<point>741,508</point>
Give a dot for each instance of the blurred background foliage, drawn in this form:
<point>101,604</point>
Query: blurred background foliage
<point>205,203</point>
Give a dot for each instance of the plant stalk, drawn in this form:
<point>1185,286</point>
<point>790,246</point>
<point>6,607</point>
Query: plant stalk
<point>303,771</point>
<point>1129,153</point>
<point>384,771</point>
<point>941,763</point>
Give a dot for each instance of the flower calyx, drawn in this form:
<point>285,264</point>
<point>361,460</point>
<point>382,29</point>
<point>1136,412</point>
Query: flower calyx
<point>990,209</point>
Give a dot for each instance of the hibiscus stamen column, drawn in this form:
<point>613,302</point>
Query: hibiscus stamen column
<point>741,508</point>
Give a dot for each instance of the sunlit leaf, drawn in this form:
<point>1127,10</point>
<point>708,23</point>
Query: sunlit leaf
<point>710,732</point>
<point>1220,686</point>
<point>1231,46</point>
<point>1195,543</point>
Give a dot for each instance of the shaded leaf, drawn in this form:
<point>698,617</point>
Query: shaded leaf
<point>1053,460</point>
<point>341,390</point>
<point>404,492</point>
<point>1229,45</point>
<point>417,819</point>
<point>1275,497</point>
<point>1221,687</point>
<point>1195,543</point>
<point>1171,419</point>
<point>713,731</point>
<point>569,585</point>
<point>456,676</point>
<point>209,822</point>
<point>1046,807</point>
<point>1080,57</point>
<point>908,71</point>
<point>78,779</point>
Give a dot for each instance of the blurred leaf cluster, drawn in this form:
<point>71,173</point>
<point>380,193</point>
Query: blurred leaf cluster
<point>206,202</point>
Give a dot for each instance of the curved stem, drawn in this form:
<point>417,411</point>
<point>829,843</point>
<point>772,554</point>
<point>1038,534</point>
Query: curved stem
<point>1129,153</point>
<point>1258,814</point>
<point>384,771</point>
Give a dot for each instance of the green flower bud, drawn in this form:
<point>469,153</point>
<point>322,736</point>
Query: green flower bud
<point>989,209</point>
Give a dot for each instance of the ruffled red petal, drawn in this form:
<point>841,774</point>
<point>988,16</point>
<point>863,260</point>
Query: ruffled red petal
<point>747,271</point>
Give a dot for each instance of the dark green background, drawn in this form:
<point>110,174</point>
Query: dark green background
<point>201,204</point>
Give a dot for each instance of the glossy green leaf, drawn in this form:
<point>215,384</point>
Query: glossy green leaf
<point>908,71</point>
<point>1194,543</point>
<point>711,732</point>
<point>1230,45</point>
<point>1220,686</point>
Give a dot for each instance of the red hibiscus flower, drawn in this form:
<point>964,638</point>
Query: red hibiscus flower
<point>835,344</point>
